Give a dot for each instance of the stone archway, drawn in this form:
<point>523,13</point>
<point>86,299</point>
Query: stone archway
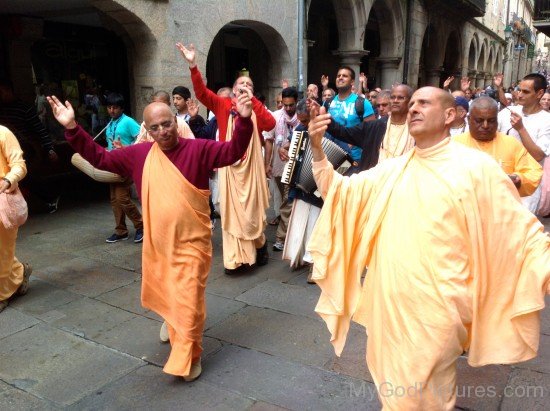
<point>383,39</point>
<point>250,45</point>
<point>452,59</point>
<point>431,58</point>
<point>480,65</point>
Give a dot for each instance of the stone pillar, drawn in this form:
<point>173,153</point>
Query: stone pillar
<point>352,58</point>
<point>480,79</point>
<point>488,80</point>
<point>389,71</point>
<point>433,77</point>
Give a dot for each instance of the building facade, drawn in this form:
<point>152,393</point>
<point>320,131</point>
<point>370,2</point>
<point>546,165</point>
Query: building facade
<point>129,45</point>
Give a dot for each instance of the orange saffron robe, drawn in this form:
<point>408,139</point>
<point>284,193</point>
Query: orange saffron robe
<point>244,197</point>
<point>455,262</point>
<point>177,254</point>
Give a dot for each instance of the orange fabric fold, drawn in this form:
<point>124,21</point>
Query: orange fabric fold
<point>243,200</point>
<point>177,253</point>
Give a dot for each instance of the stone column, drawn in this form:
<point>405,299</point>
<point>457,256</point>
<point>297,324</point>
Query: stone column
<point>488,80</point>
<point>352,58</point>
<point>480,79</point>
<point>389,71</point>
<point>433,77</point>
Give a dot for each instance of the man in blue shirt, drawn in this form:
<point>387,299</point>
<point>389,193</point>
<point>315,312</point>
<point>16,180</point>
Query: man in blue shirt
<point>122,131</point>
<point>343,108</point>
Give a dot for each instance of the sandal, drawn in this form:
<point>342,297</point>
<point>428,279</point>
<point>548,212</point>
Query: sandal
<point>24,287</point>
<point>275,221</point>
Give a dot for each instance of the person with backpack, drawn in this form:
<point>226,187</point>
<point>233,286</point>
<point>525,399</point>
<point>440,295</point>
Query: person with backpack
<point>348,109</point>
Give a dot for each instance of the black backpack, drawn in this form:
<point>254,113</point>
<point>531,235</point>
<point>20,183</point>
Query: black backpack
<point>359,106</point>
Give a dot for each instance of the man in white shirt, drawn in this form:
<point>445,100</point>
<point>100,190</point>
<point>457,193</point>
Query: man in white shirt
<point>530,124</point>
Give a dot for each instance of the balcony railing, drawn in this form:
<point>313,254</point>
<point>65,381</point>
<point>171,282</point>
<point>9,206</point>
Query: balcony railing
<point>541,18</point>
<point>542,10</point>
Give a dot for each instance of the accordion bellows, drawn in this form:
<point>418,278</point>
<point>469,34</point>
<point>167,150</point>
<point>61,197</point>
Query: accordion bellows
<point>298,170</point>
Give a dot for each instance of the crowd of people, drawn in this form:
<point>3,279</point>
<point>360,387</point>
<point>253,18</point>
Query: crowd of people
<point>418,233</point>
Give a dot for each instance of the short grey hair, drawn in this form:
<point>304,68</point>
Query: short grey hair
<point>483,102</point>
<point>301,107</point>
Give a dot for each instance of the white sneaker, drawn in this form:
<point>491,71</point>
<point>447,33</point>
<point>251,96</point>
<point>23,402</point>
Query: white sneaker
<point>164,336</point>
<point>196,370</point>
<point>278,246</point>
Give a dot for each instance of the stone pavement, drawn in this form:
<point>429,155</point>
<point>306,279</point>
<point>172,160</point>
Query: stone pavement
<point>80,339</point>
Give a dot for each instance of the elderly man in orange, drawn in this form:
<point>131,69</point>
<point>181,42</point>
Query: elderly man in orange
<point>171,176</point>
<point>455,262</point>
<point>14,276</point>
<point>524,171</point>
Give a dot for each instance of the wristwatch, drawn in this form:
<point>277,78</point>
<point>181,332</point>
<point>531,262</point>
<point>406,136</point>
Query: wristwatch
<point>7,181</point>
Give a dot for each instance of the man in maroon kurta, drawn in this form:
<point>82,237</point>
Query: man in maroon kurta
<point>171,176</point>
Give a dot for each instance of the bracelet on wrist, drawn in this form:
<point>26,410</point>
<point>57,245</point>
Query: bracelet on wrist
<point>7,181</point>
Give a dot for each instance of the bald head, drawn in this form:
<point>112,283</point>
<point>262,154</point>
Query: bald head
<point>484,103</point>
<point>431,112</point>
<point>161,96</point>
<point>155,109</point>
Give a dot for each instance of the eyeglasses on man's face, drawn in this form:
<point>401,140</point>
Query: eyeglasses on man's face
<point>156,128</point>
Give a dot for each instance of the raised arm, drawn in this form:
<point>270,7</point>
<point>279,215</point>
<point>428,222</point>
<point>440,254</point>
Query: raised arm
<point>207,97</point>
<point>529,172</point>
<point>357,135</point>
<point>221,154</point>
<point>118,161</point>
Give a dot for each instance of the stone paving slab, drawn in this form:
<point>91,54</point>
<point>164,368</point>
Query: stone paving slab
<point>42,298</point>
<point>124,255</point>
<point>128,298</point>
<point>15,399</point>
<point>89,318</point>
<point>542,362</point>
<point>291,299</point>
<point>58,366</point>
<point>86,276</point>
<point>276,333</point>
<point>353,361</point>
<point>13,321</point>
<point>219,308</point>
<point>480,388</point>
<point>285,383</point>
<point>148,388</point>
<point>526,390</point>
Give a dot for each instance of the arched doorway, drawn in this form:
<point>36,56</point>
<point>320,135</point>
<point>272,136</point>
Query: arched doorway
<point>430,58</point>
<point>323,40</point>
<point>452,59</point>
<point>241,47</point>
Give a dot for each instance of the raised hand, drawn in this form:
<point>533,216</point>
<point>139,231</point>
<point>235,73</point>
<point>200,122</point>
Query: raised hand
<point>284,83</point>
<point>188,53</point>
<point>192,107</point>
<point>464,83</point>
<point>448,82</point>
<point>244,102</point>
<point>318,124</point>
<point>516,121</point>
<point>63,113</point>
<point>497,80</point>
<point>324,81</point>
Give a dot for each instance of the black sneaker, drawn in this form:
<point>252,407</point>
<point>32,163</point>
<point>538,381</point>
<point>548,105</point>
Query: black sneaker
<point>138,238</point>
<point>262,255</point>
<point>52,207</point>
<point>115,237</point>
<point>240,269</point>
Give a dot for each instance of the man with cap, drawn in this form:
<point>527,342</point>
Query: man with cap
<point>459,125</point>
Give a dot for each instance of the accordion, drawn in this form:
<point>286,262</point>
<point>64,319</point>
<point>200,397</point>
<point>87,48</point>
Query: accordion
<point>298,170</point>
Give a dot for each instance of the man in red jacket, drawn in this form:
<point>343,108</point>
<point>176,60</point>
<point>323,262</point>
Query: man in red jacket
<point>243,188</point>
